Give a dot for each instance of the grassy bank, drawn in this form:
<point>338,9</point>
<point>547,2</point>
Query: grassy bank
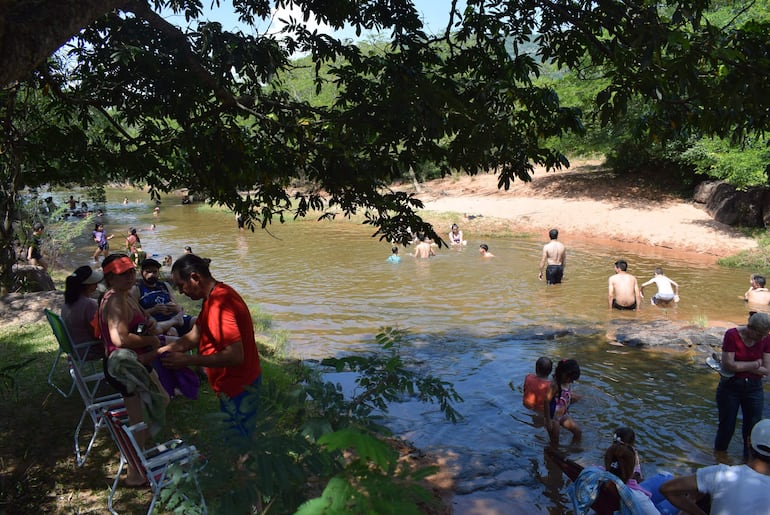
<point>303,426</point>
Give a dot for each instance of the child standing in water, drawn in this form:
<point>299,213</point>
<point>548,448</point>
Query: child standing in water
<point>623,441</point>
<point>536,385</point>
<point>556,403</point>
<point>102,243</point>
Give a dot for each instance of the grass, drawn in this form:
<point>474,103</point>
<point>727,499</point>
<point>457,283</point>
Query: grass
<point>755,259</point>
<point>37,466</point>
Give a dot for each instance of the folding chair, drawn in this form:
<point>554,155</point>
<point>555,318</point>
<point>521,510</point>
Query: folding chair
<point>95,408</point>
<point>77,354</point>
<point>152,463</point>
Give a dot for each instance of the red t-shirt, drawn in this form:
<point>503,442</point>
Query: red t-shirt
<point>733,343</point>
<point>535,391</point>
<point>225,319</point>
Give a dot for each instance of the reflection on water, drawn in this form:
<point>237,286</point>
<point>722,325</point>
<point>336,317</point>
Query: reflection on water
<point>479,324</point>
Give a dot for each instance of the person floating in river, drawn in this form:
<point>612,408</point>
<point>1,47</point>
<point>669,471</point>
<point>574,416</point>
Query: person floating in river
<point>556,403</point>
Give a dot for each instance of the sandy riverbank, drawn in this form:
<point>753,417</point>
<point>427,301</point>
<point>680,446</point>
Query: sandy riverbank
<point>586,202</point>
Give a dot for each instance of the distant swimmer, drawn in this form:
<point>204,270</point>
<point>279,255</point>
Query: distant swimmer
<point>555,257</point>
<point>394,257</point>
<point>758,296</point>
<point>424,249</point>
<point>456,236</point>
<point>668,290</point>
<point>484,251</point>
<point>623,288</point>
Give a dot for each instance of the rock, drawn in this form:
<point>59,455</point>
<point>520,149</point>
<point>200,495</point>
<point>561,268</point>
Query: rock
<point>750,208</point>
<point>666,335</point>
<point>705,190</point>
<point>31,278</point>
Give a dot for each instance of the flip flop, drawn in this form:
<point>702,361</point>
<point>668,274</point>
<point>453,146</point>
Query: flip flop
<point>715,364</point>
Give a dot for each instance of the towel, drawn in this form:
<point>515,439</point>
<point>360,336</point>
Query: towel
<point>124,365</point>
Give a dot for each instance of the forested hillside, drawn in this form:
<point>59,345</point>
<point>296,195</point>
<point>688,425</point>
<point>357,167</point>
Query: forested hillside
<point>742,162</point>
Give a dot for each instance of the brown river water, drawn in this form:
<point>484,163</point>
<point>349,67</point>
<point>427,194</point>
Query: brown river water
<point>479,324</point>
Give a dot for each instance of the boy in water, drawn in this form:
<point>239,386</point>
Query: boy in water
<point>394,257</point>
<point>484,251</point>
<point>536,385</point>
<point>666,293</point>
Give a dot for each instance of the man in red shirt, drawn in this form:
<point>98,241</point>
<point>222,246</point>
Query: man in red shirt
<point>223,335</point>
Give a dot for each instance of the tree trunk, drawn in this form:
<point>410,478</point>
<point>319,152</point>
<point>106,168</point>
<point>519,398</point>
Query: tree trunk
<point>415,182</point>
<point>31,31</point>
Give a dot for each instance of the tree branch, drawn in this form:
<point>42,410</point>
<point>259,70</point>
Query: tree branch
<point>58,93</point>
<point>178,39</point>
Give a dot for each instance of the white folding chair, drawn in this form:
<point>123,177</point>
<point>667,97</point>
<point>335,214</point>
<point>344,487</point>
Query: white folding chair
<point>78,355</point>
<point>94,410</point>
<point>152,463</point>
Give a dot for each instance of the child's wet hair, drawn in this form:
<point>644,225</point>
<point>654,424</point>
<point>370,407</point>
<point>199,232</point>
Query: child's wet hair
<point>567,369</point>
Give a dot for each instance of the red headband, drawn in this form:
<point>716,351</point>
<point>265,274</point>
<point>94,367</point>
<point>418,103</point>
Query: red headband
<point>119,266</point>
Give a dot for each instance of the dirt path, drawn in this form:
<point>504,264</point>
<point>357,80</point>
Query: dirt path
<point>588,202</point>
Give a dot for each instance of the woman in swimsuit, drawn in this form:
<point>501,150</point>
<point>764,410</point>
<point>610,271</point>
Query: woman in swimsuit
<point>557,401</point>
<point>456,236</point>
<point>124,325</point>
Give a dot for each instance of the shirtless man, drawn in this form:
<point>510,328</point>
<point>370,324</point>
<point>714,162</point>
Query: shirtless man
<point>623,289</point>
<point>758,297</point>
<point>484,251</point>
<point>424,249</point>
<point>555,256</point>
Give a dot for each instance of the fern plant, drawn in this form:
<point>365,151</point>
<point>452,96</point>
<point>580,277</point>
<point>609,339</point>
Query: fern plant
<point>315,451</point>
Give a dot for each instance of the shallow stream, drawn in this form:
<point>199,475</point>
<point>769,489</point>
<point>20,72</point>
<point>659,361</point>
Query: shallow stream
<point>479,324</point>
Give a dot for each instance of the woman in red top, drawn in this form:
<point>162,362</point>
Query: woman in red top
<point>746,354</point>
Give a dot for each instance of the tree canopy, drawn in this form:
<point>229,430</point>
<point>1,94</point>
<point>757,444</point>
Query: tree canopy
<point>111,90</point>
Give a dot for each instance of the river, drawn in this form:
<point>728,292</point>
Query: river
<point>480,324</point>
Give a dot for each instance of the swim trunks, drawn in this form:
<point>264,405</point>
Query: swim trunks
<point>615,305</point>
<point>554,274</point>
<point>663,297</point>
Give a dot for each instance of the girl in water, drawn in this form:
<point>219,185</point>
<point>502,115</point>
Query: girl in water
<point>626,468</point>
<point>456,236</point>
<point>558,399</point>
<point>102,243</point>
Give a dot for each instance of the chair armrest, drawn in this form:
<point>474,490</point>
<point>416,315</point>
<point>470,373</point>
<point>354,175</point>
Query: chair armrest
<point>86,351</point>
<point>110,402</point>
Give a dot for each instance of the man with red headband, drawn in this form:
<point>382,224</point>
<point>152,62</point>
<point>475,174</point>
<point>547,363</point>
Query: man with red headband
<point>224,337</point>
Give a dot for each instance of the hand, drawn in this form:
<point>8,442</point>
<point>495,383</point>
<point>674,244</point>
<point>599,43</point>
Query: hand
<point>540,276</point>
<point>174,360</point>
<point>151,326</point>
